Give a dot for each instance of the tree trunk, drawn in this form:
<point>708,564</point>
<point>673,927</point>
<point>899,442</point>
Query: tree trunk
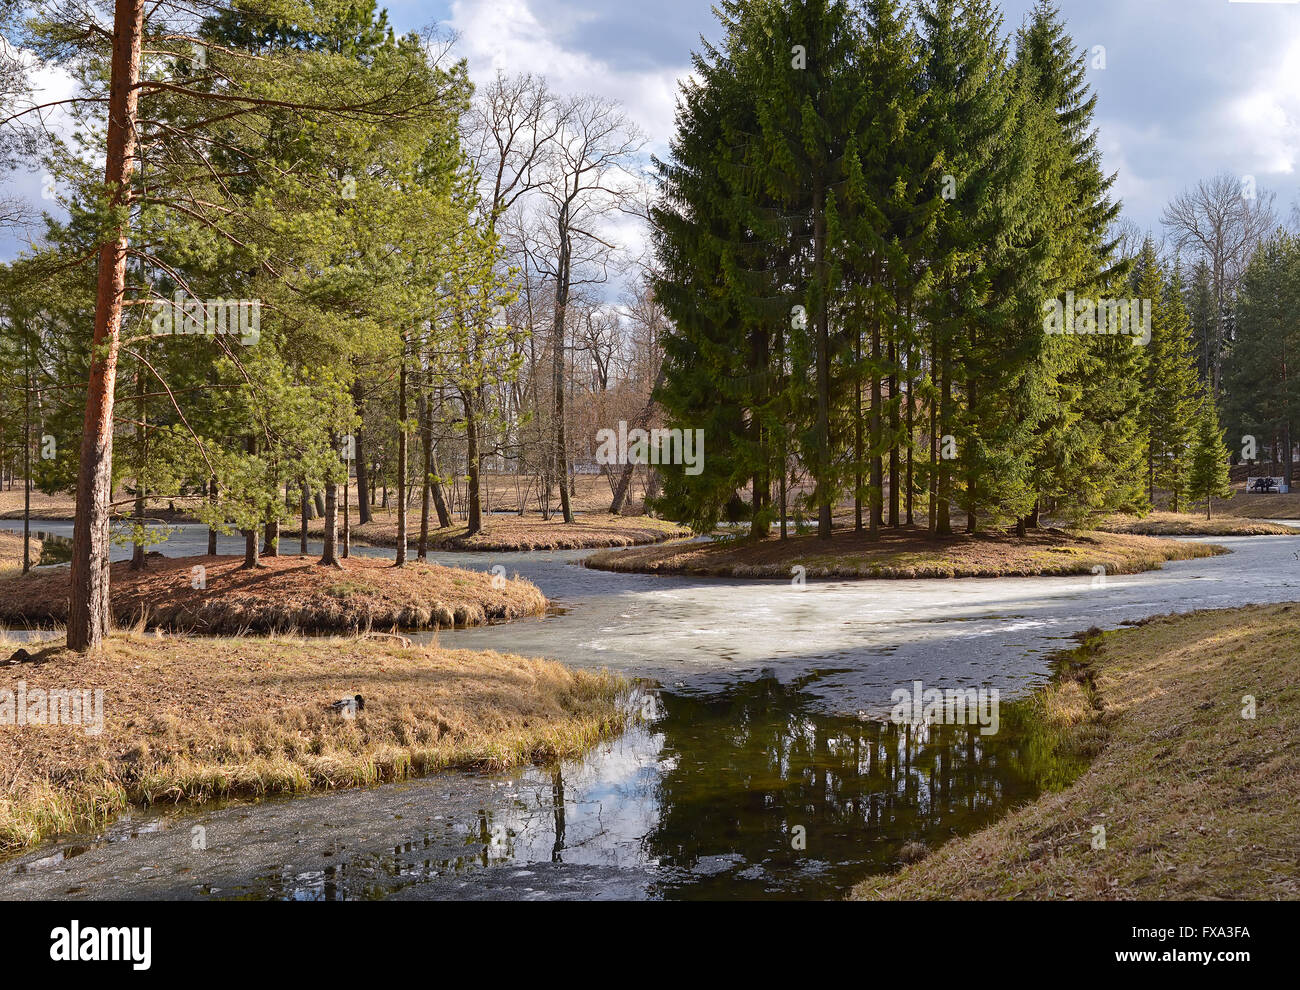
<point>305,513</point>
<point>212,530</point>
<point>137,552</point>
<point>250,535</point>
<point>859,453</point>
<point>401,458</point>
<point>329,556</point>
<point>363,467</point>
<point>557,365</point>
<point>473,497</point>
<point>642,422</point>
<point>877,466</point>
<point>422,412</point>
<point>943,520</point>
<point>271,544</point>
<point>27,460</point>
<point>347,508</point>
<point>823,426</point>
<point>894,413</point>
<point>88,602</point>
<point>439,502</point>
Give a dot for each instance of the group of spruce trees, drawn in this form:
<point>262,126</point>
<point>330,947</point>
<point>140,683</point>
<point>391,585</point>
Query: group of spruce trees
<point>866,207</point>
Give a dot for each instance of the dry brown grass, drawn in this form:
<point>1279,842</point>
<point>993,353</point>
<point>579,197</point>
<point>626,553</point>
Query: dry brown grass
<point>1197,802</point>
<point>11,552</point>
<point>1258,506</point>
<point>1193,524</point>
<point>908,553</point>
<point>507,533</point>
<point>500,491</point>
<point>63,505</point>
<point>189,719</point>
<point>286,593</point>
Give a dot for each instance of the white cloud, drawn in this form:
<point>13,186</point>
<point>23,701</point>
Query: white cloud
<point>507,36</point>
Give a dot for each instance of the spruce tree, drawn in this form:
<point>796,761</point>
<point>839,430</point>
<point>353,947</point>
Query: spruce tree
<point>1208,477</point>
<point>1171,383</point>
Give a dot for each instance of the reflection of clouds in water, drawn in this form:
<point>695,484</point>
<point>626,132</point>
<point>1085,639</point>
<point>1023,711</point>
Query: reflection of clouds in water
<point>610,804</point>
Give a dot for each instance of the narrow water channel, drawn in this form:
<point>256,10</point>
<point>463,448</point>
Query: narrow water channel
<point>762,772</point>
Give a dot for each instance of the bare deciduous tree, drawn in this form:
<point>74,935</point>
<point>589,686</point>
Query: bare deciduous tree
<point>1221,219</point>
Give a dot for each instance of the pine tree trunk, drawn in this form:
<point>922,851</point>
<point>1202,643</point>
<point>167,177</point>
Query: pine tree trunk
<point>401,458</point>
<point>894,412</point>
<point>943,522</point>
<point>363,466</point>
<point>823,427</point>
<point>911,440</point>
<point>422,407</point>
<point>305,513</point>
<point>473,500</point>
<point>137,552</point>
<point>212,531</point>
<point>329,556</point>
<point>858,453</point>
<point>88,604</point>
<point>250,535</point>
<point>877,479</point>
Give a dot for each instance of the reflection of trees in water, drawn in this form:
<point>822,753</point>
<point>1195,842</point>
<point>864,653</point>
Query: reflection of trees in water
<point>756,762</point>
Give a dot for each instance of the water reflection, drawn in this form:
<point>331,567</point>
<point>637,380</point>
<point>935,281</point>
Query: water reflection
<point>706,802</point>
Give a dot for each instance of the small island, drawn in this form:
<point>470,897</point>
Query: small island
<point>908,553</point>
<point>218,595</point>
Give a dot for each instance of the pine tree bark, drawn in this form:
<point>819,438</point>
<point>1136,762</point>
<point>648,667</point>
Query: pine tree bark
<point>212,530</point>
<point>402,451</point>
<point>88,604</point>
<point>329,555</point>
<point>823,425</point>
<point>363,466</point>
<point>304,518</point>
<point>894,412</point>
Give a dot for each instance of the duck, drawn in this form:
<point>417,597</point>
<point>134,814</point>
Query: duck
<point>347,707</point>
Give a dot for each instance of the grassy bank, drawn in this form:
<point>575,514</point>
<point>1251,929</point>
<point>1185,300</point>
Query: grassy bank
<point>506,533</point>
<point>196,719</point>
<point>11,553</point>
<point>1259,506</point>
<point>1193,524</point>
<point>1197,801</point>
<point>286,593</point>
<point>908,553</point>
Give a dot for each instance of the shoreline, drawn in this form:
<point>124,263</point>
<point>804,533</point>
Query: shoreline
<point>1191,795</point>
<point>185,720</point>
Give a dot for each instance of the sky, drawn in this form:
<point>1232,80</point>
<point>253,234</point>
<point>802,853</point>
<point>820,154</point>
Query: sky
<point>1189,87</point>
